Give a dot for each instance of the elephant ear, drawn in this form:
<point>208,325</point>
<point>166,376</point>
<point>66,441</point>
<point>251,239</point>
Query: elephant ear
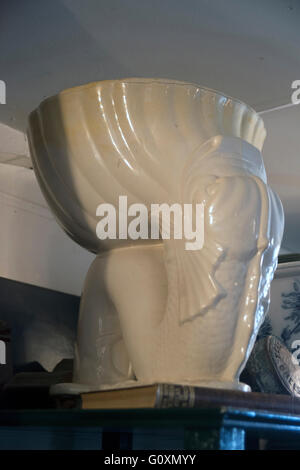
<point>191,272</point>
<point>195,278</point>
<point>231,202</point>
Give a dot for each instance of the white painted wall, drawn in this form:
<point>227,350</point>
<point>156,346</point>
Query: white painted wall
<point>281,154</point>
<point>33,247</point>
<point>13,147</point>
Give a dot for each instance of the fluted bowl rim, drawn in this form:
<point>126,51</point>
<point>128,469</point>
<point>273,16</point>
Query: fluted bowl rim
<point>145,80</point>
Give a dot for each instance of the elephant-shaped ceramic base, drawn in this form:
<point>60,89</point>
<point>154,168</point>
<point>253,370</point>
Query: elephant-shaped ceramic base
<point>151,310</point>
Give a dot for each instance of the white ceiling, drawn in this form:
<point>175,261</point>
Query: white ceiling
<point>249,49</point>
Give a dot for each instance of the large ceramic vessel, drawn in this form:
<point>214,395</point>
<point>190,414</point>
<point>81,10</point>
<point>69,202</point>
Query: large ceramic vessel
<point>152,311</point>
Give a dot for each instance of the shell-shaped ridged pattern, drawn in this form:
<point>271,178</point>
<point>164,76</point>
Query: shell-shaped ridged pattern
<point>131,137</point>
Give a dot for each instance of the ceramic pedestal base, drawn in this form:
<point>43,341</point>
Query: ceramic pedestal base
<point>115,325</point>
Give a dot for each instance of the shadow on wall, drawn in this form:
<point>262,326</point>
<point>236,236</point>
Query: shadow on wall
<point>43,322</point>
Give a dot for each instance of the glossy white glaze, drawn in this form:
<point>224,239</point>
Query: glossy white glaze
<point>151,309</point>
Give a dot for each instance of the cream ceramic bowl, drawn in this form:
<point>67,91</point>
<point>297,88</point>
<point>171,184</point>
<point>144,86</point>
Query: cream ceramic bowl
<point>152,311</point>
<point>92,143</point>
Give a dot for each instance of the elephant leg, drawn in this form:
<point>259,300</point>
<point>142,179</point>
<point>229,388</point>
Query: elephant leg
<point>101,356</point>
